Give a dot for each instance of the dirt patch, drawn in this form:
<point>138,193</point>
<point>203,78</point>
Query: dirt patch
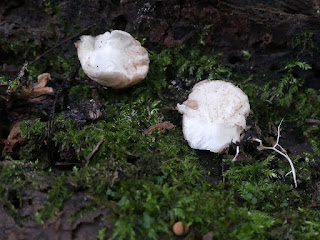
<point>71,223</point>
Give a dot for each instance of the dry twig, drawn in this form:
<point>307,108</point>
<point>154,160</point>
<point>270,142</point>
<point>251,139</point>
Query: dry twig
<point>95,150</point>
<point>237,153</point>
<point>161,127</point>
<point>313,121</point>
<point>278,149</point>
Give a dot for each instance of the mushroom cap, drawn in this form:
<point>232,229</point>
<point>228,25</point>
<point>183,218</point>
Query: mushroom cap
<point>113,59</point>
<point>214,115</point>
<point>180,228</point>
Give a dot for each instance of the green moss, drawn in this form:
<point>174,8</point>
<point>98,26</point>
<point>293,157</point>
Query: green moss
<point>304,43</point>
<point>36,132</point>
<point>16,178</point>
<point>11,85</point>
<point>58,193</point>
<point>80,92</point>
<point>285,97</point>
<point>102,234</point>
<point>22,46</point>
<point>248,207</point>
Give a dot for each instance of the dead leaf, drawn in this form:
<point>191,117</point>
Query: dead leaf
<point>161,127</point>
<point>14,139</point>
<point>273,129</point>
<point>35,90</point>
<point>270,141</point>
<point>243,158</point>
<point>9,68</point>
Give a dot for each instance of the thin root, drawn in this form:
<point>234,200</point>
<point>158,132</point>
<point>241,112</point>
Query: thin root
<point>282,152</point>
<point>237,153</point>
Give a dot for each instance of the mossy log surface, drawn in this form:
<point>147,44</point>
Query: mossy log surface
<point>87,162</point>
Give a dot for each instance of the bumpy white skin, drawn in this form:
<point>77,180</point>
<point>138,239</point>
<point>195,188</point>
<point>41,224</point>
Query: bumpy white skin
<point>214,115</point>
<point>113,59</point>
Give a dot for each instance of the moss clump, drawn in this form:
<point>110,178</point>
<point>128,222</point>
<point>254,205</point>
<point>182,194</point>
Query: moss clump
<point>304,43</point>
<point>151,206</point>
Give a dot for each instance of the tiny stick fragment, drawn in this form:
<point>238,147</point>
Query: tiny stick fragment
<point>161,127</point>
<point>282,152</point>
<point>95,150</point>
<point>313,121</point>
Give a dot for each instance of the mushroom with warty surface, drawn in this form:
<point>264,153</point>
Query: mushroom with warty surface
<point>113,59</point>
<point>214,115</point>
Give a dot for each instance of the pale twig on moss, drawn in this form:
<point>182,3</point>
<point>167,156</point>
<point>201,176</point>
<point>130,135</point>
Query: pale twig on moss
<point>280,151</point>
<point>237,153</point>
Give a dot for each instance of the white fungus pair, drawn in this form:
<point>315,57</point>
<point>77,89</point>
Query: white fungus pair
<point>214,114</point>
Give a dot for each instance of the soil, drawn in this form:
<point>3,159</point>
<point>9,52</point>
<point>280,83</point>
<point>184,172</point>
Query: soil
<point>33,30</point>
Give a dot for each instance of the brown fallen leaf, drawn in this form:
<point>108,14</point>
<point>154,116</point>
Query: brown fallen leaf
<point>35,90</point>
<point>161,127</point>
<point>9,68</point>
<point>273,128</point>
<point>270,141</point>
<point>244,158</point>
<point>14,139</point>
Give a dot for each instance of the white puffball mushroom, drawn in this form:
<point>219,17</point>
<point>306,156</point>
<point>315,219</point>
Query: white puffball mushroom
<point>113,59</point>
<point>214,115</point>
